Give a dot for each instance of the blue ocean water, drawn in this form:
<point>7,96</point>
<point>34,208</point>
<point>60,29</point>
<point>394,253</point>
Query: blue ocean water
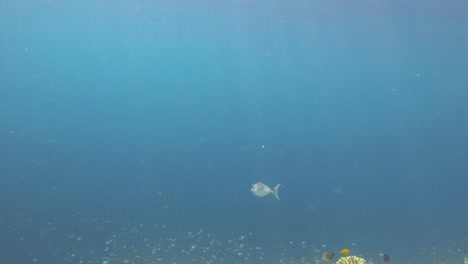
<point>132,131</point>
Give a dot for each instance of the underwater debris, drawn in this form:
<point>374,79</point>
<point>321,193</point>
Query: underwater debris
<point>327,256</point>
<point>386,257</point>
<point>351,260</point>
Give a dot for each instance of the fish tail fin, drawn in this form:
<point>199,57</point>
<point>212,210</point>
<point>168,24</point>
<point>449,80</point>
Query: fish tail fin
<point>275,191</point>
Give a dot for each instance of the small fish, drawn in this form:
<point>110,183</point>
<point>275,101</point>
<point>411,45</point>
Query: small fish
<point>345,251</point>
<point>385,257</point>
<point>261,190</point>
<point>327,256</point>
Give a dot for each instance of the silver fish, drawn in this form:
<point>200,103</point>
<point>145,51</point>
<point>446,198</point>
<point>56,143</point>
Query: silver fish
<point>261,190</point>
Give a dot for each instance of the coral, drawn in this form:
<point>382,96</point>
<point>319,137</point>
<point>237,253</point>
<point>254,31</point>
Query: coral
<point>351,260</point>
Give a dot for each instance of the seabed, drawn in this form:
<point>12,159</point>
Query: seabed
<point>201,246</point>
<point>107,243</point>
